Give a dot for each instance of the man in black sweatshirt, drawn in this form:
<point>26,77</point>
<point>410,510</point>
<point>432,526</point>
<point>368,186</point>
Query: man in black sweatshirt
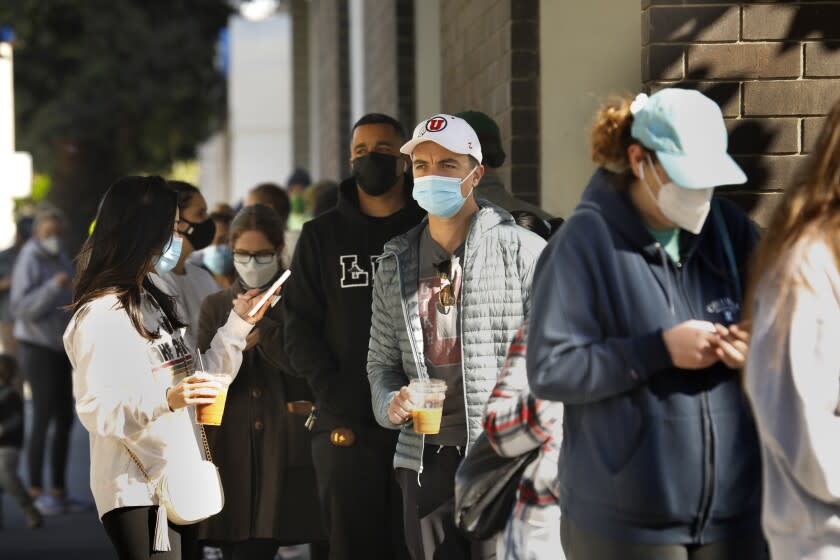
<point>328,312</point>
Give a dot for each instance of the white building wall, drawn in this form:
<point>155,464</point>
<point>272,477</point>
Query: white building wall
<point>588,50</point>
<point>214,169</point>
<point>259,103</point>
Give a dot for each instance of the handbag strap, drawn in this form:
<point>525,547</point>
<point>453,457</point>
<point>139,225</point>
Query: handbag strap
<point>143,471</point>
<point>207,453</point>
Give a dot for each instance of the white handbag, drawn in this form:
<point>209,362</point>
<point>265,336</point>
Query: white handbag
<point>187,493</point>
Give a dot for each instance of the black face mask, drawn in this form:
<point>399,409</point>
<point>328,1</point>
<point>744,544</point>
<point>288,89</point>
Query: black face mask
<point>200,235</point>
<point>375,173</point>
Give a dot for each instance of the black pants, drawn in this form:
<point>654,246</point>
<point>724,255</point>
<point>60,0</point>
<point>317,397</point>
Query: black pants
<point>360,500</point>
<point>429,510</point>
<point>580,544</point>
<point>132,532</point>
<point>50,378</point>
<point>10,482</point>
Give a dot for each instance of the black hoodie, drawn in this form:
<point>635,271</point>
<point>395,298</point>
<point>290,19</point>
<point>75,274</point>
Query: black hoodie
<point>328,300</point>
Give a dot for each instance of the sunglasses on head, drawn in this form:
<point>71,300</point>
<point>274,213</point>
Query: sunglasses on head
<point>446,295</point>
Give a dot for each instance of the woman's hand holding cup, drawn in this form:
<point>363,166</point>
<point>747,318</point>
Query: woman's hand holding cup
<point>193,390</point>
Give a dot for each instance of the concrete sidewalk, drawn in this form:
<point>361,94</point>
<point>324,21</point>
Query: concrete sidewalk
<point>77,535</point>
<point>72,536</point>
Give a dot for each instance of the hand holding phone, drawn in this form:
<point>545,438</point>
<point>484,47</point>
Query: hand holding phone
<point>269,292</point>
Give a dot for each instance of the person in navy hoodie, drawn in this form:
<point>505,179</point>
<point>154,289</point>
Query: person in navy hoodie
<point>635,327</point>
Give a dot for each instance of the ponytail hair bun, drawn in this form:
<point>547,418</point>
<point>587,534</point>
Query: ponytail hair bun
<point>610,136</point>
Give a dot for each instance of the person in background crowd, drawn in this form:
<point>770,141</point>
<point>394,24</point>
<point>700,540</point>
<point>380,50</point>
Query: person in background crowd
<point>635,328</point>
<point>448,298</point>
<point>187,282</point>
<point>791,377</point>
<point>532,222</point>
<point>11,443</point>
<point>271,195</point>
<point>296,184</point>
<point>132,370</point>
<point>41,289</point>
<point>328,305</point>
<point>7,262</point>
<point>298,181</point>
<point>262,448</point>
<point>223,208</point>
<point>312,193</point>
<point>275,197</point>
<point>326,199</point>
<point>555,223</point>
<point>516,422</point>
<point>491,187</point>
<point>217,257</point>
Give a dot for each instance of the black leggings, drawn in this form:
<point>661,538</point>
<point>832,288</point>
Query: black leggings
<point>579,544</point>
<point>50,377</point>
<point>132,532</point>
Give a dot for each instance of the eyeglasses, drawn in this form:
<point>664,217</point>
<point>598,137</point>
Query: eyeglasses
<point>446,295</point>
<point>245,258</point>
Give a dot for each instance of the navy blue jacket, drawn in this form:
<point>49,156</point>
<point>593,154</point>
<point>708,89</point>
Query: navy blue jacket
<point>651,453</point>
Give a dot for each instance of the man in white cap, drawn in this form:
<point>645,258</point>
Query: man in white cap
<point>449,295</point>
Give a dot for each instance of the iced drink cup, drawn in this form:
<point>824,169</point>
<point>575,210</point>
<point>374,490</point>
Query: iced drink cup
<point>211,414</point>
<point>427,397</point>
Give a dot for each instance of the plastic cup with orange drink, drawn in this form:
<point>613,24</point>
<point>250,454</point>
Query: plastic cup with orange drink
<point>427,395</point>
<point>211,414</point>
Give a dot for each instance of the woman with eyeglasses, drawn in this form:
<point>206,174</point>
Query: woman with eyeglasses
<point>133,372</point>
<point>262,448</point>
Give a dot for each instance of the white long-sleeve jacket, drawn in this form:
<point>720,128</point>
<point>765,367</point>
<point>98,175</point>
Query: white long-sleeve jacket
<point>793,382</point>
<point>120,381</point>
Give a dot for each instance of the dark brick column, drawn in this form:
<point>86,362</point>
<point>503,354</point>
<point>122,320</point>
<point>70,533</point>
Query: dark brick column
<point>406,86</point>
<point>774,69</point>
<point>300,83</point>
<point>329,103</point>
<point>490,52</point>
<point>389,59</point>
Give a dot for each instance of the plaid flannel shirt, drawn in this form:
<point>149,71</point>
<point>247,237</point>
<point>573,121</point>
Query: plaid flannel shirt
<point>517,422</point>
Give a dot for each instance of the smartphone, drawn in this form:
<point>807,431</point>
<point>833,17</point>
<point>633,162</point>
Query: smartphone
<point>269,292</point>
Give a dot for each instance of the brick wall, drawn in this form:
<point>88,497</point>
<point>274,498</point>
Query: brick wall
<point>491,64</point>
<point>773,67</point>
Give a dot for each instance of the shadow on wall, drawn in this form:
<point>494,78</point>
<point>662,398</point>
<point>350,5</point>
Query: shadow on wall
<point>748,138</point>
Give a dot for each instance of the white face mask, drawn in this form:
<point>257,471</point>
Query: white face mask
<point>256,275</point>
<point>51,245</point>
<point>688,208</point>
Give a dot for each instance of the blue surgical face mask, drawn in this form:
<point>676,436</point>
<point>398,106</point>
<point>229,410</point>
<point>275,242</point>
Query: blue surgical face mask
<point>441,196</point>
<point>169,259</point>
<point>218,259</point>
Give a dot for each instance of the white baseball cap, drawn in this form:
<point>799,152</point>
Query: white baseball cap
<point>453,133</point>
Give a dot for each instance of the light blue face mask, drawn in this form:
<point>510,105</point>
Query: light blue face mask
<point>441,196</point>
<point>169,259</point>
<point>218,259</point>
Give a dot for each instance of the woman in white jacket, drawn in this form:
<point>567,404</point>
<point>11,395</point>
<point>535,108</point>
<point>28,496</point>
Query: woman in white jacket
<point>793,368</point>
<point>132,378</point>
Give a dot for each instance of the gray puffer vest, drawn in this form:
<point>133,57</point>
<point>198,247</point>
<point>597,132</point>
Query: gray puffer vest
<point>499,260</point>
